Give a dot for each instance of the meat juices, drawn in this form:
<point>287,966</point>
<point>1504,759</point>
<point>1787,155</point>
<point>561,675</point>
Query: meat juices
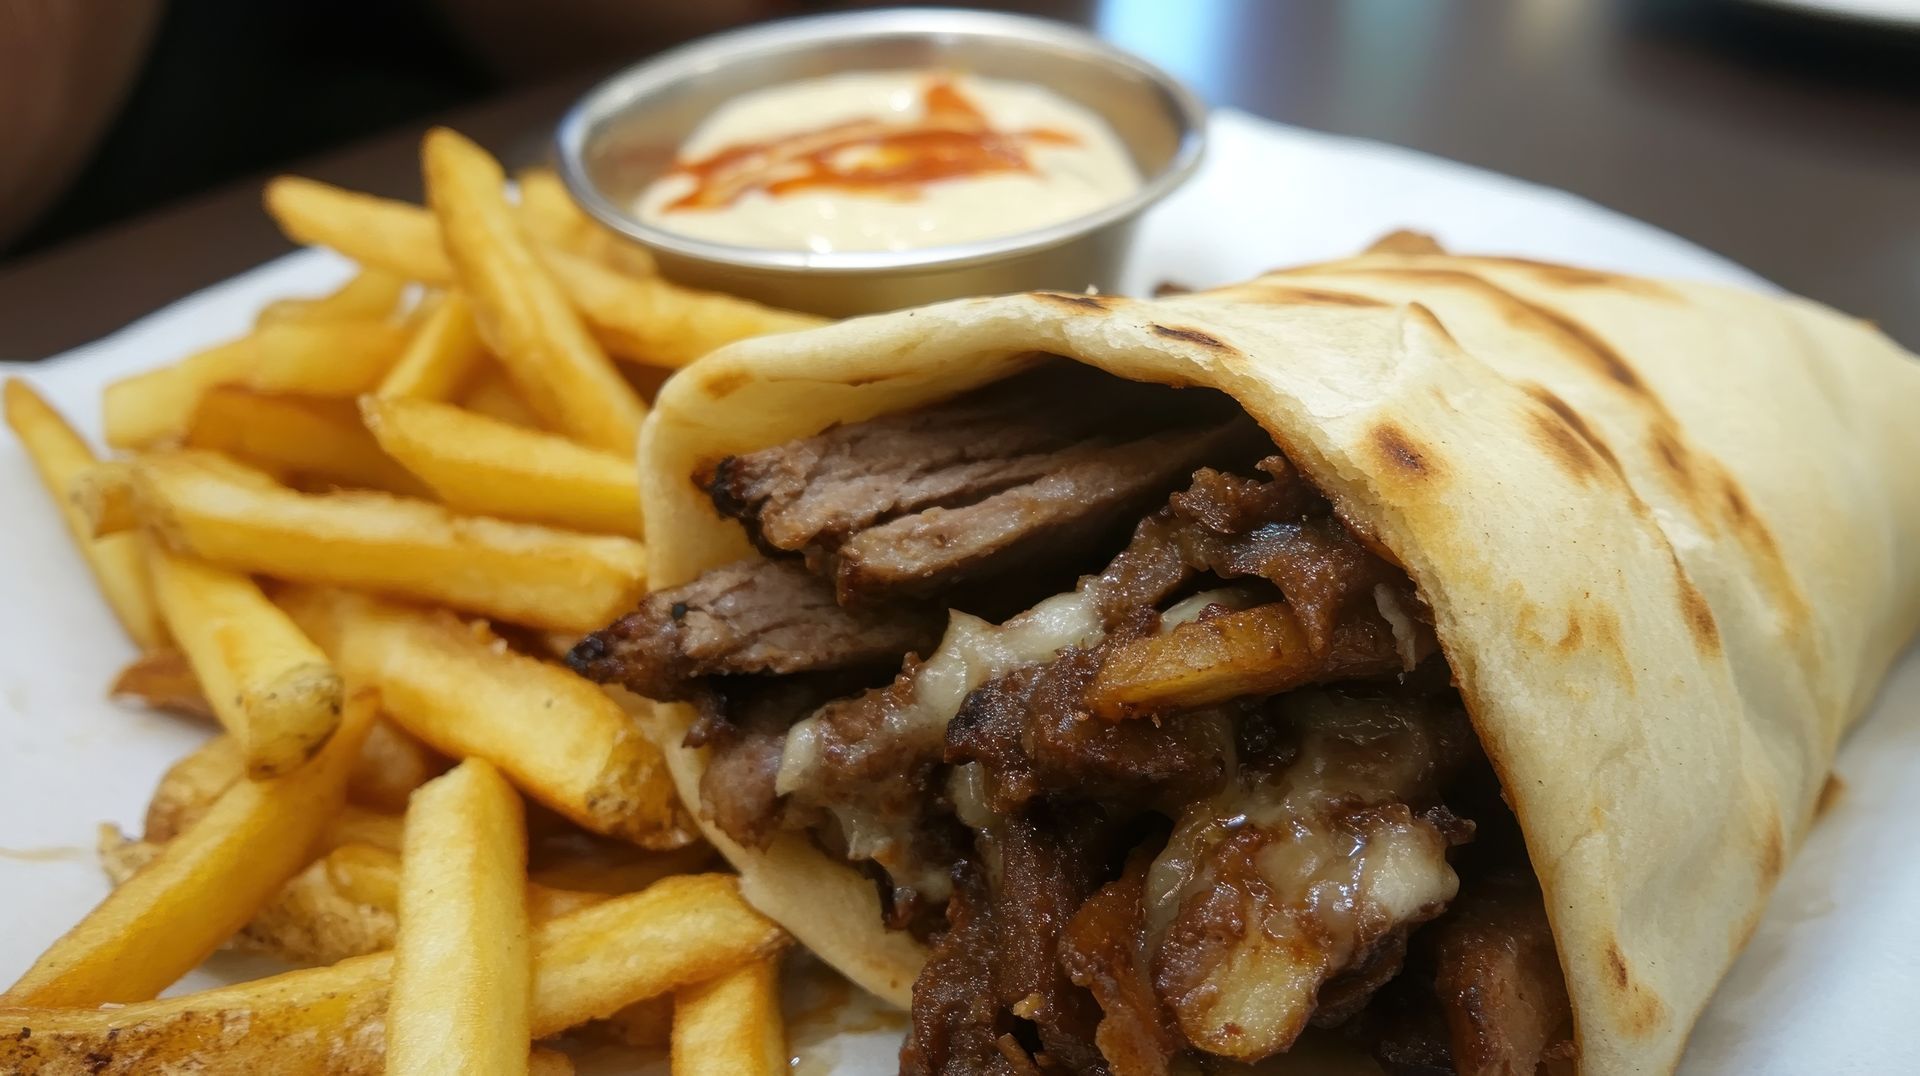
<point>1199,802</point>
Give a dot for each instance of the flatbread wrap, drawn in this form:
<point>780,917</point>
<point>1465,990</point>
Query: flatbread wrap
<point>1437,656</point>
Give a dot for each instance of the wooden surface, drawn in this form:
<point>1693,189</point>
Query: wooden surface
<point>1790,145</point>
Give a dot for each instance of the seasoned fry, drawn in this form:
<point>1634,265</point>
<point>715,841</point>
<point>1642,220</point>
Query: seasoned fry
<point>466,694</point>
<point>363,825</point>
<point>163,680</point>
<point>153,408</point>
<point>370,294</point>
<point>549,214</point>
<point>391,765</point>
<point>651,321</point>
<point>201,888</point>
<point>395,236</point>
<point>1257,651</point>
<point>523,316</point>
<point>272,689</point>
<point>482,465</point>
<point>731,1026</point>
<point>319,438</point>
<point>518,572</point>
<point>324,358</point>
<point>191,786</point>
<point>461,971</point>
<point>442,355</point>
<point>102,494</point>
<point>117,562</point>
<point>492,394</point>
<point>586,965</point>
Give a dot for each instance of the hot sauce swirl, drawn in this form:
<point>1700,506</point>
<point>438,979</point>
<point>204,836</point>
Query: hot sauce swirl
<point>902,159</point>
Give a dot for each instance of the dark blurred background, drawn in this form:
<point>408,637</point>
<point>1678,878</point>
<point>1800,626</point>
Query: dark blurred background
<point>1712,118</point>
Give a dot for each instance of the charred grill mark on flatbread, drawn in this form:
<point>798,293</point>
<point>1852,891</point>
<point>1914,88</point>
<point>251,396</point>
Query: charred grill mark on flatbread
<point>1423,313</point>
<point>1406,241</point>
<point>1285,294</point>
<point>1830,794</point>
<point>1399,451</point>
<point>1578,425</point>
<point>725,381</point>
<point>1773,848</point>
<point>1568,276</point>
<point>1192,336</point>
<point>1695,610</point>
<point>1077,302</point>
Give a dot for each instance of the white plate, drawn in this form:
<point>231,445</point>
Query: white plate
<point>1831,978</point>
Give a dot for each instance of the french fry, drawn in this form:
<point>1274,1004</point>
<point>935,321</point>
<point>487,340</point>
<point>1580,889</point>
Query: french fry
<point>463,692</point>
<point>371,293</point>
<point>461,971</point>
<point>324,358</point>
<point>646,1024</point>
<point>730,1025</point>
<point>523,315</point>
<point>442,355</point>
<point>371,875</point>
<point>271,688</point>
<point>392,764</point>
<point>400,238</point>
<point>204,885</point>
<point>163,680</point>
<point>544,1062</point>
<point>657,323</point>
<point>103,496</point>
<point>550,215</point>
<point>363,825</point>
<point>317,437</point>
<point>492,394</point>
<point>586,862</point>
<point>635,317</point>
<point>586,965</point>
<point>117,562</point>
<point>482,465</point>
<point>154,408</point>
<point>191,785</point>
<point>517,572</point>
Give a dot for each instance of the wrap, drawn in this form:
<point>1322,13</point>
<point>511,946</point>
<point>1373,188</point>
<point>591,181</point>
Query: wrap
<point>1667,531</point>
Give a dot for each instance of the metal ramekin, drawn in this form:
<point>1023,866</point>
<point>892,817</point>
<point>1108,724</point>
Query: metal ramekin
<point>625,132</point>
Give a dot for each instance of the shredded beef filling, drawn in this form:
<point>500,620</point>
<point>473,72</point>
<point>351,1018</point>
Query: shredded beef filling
<point>1218,792</point>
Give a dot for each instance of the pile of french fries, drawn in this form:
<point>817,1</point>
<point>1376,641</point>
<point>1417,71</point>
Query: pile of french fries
<point>354,538</point>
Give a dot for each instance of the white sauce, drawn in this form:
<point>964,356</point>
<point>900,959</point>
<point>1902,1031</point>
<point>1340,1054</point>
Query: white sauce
<point>1068,180</point>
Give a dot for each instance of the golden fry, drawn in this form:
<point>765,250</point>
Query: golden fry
<point>647,1024</point>
<point>466,694</point>
<point>191,785</point>
<point>523,316</point>
<point>442,355</point>
<point>204,885</point>
<point>651,321</point>
<point>586,965</point>
<point>324,358</point>
<point>370,294</point>
<point>517,572</point>
<point>103,496</point>
<point>163,679</point>
<point>461,972</point>
<point>390,235</point>
<point>154,408</point>
<point>316,437</point>
<point>272,689</point>
<point>492,394</point>
<point>363,825</point>
<point>392,764</point>
<point>731,1025</point>
<point>544,1062</point>
<point>549,215</point>
<point>59,456</point>
<point>477,464</point>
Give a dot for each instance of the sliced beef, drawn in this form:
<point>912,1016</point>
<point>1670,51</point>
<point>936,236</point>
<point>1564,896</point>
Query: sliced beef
<point>814,493</point>
<point>959,1026</point>
<point>1031,733</point>
<point>1483,994</point>
<point>1091,491</point>
<point>743,723</point>
<point>1104,949</point>
<point>751,616</point>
